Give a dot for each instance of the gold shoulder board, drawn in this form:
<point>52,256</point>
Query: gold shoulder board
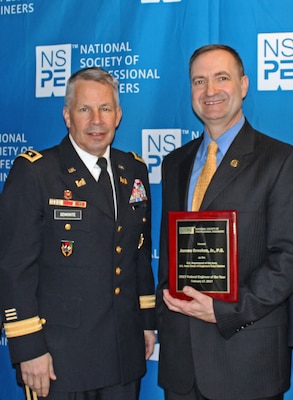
<point>137,157</point>
<point>31,155</point>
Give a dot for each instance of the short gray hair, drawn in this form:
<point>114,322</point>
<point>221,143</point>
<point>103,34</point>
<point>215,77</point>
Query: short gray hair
<point>91,74</point>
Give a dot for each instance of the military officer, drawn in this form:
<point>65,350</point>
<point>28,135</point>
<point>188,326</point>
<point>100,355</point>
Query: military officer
<point>76,285</point>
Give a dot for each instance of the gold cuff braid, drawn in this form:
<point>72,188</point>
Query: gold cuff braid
<point>148,301</point>
<point>24,327</point>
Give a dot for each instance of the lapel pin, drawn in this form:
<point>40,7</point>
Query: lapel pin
<point>121,167</point>
<point>234,163</point>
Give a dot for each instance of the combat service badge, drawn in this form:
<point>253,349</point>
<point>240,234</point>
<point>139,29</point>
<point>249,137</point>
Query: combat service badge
<point>67,247</point>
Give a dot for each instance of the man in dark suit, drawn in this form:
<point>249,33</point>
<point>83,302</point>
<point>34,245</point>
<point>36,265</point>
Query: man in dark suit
<point>212,349</point>
<point>77,287</point>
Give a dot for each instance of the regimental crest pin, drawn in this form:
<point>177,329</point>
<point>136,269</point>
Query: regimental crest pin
<point>67,247</point>
<point>67,194</point>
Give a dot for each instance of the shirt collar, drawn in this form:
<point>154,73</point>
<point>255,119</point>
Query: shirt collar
<point>224,141</point>
<point>89,159</point>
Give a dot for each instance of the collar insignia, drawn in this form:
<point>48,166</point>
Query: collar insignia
<point>80,182</point>
<point>123,180</point>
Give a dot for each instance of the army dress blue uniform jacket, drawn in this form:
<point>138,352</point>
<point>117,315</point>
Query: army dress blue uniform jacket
<point>75,282</point>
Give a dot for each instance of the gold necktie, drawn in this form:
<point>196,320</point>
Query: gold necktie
<point>205,176</point>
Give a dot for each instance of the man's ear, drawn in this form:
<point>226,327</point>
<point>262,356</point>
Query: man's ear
<point>66,116</point>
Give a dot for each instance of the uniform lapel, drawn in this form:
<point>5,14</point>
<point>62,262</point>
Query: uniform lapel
<point>124,179</point>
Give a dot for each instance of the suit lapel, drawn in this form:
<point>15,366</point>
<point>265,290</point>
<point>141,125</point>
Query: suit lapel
<point>238,156</point>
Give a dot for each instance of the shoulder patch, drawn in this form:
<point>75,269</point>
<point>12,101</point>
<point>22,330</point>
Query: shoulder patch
<point>31,155</point>
<point>137,157</point>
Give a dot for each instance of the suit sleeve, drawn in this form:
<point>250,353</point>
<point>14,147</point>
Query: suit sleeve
<point>21,222</point>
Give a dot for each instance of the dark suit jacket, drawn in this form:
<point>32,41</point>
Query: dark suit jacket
<point>245,355</point>
<point>91,298</point>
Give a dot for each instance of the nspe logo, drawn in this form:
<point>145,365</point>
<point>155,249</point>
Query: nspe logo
<point>275,61</point>
<point>156,144</point>
<point>53,66</point>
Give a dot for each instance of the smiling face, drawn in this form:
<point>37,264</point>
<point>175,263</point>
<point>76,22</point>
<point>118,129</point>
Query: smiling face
<point>93,116</point>
<point>217,90</point>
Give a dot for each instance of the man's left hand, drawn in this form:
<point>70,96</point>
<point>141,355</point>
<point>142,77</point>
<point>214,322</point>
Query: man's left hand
<point>200,307</point>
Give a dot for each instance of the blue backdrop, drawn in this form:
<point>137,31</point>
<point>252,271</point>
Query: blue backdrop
<point>146,44</point>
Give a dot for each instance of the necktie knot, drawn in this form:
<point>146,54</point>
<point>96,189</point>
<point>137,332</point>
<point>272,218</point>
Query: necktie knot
<point>102,163</point>
<point>212,148</point>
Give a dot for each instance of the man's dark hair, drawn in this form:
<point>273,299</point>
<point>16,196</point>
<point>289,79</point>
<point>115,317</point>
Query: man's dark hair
<point>212,47</point>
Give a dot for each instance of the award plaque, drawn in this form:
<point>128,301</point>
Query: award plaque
<point>203,253</point>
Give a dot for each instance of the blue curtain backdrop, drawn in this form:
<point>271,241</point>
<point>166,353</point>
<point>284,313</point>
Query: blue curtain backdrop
<point>146,44</point>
